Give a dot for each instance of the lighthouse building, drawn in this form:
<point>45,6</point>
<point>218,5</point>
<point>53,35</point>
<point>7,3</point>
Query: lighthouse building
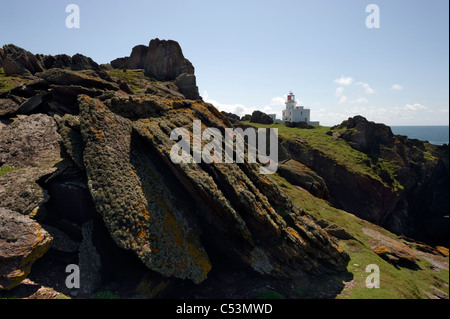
<point>294,113</point>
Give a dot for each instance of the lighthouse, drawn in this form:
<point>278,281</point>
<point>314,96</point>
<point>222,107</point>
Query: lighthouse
<point>294,113</point>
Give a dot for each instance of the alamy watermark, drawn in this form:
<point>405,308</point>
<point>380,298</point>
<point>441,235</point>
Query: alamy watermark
<point>73,279</point>
<point>219,149</point>
<point>373,280</point>
<point>73,19</point>
<point>373,19</point>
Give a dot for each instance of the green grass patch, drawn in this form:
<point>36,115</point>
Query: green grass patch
<point>136,79</point>
<point>6,169</point>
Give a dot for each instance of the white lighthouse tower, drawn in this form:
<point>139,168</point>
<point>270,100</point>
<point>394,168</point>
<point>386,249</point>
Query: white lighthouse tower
<point>294,113</point>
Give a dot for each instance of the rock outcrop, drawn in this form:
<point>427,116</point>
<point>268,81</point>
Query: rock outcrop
<point>163,60</point>
<point>17,61</point>
<point>97,155</point>
<point>365,136</point>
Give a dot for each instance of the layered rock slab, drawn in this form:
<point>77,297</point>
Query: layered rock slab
<point>22,242</point>
<point>140,217</point>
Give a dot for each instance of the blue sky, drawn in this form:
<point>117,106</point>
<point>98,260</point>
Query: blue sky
<point>249,54</point>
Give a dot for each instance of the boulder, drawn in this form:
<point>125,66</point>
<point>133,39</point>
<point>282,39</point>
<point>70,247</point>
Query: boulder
<point>165,60</point>
<point>298,174</point>
<point>22,242</point>
<point>260,117</point>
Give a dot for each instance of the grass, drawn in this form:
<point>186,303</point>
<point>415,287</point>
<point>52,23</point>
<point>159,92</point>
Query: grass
<point>340,151</point>
<point>6,169</point>
<point>135,78</point>
<point>8,82</point>
<point>395,283</point>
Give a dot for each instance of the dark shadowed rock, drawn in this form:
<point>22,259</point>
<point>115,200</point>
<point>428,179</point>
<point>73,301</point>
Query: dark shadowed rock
<point>137,57</point>
<point>165,60</point>
<point>125,87</point>
<point>119,63</point>
<point>22,241</point>
<point>233,118</point>
<point>90,261</point>
<point>17,61</point>
<point>187,86</point>
<point>32,103</point>
<point>260,117</point>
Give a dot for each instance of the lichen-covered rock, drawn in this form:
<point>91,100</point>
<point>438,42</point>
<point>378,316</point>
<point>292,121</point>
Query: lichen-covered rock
<point>298,174</point>
<point>130,194</point>
<point>393,251</point>
<point>22,242</point>
<point>31,145</point>
<point>239,205</point>
<point>69,129</point>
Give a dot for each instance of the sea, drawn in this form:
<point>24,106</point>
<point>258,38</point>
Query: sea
<point>437,135</point>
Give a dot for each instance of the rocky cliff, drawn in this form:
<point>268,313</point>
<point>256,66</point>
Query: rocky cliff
<point>399,183</point>
<point>90,162</point>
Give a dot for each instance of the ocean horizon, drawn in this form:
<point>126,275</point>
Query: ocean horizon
<point>437,135</point>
